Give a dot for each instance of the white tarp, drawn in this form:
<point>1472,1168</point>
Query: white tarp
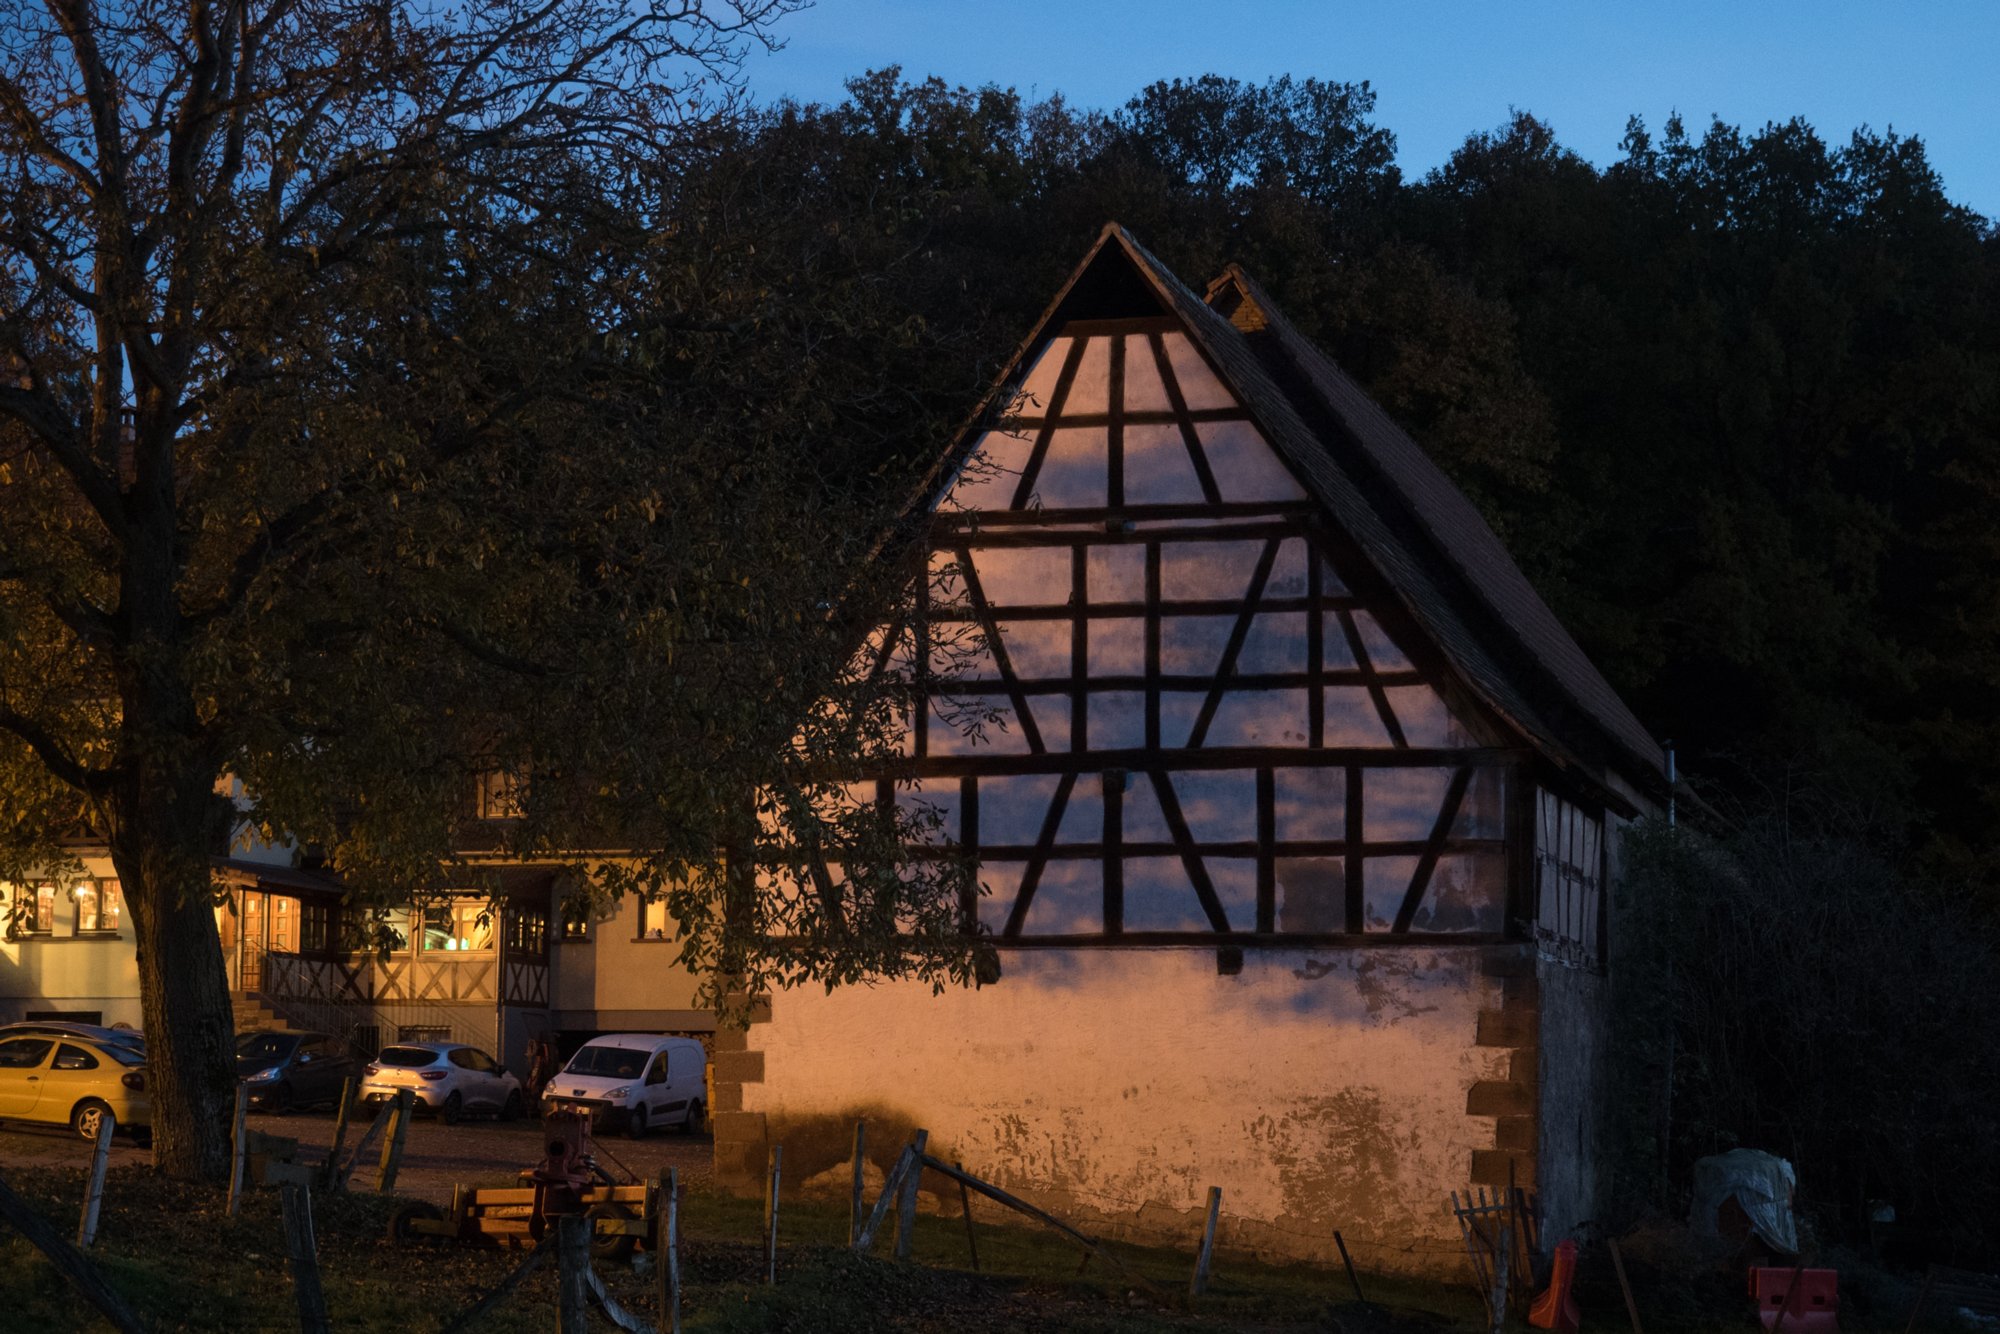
<point>1760,1183</point>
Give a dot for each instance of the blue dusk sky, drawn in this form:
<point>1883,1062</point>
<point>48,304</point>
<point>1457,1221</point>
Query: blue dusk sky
<point>1442,69</point>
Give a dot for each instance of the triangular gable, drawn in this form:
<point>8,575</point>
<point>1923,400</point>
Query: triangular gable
<point>1426,543</point>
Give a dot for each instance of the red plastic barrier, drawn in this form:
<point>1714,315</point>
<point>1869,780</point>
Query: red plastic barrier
<point>1556,1309</point>
<point>1815,1298</point>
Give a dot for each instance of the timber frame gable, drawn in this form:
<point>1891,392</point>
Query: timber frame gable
<point>1253,670</point>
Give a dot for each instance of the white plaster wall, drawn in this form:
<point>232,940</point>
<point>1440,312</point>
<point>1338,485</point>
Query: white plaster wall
<point>1319,1089</point>
<point>62,971</point>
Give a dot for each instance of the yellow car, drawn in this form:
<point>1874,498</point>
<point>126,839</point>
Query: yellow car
<point>56,1079</point>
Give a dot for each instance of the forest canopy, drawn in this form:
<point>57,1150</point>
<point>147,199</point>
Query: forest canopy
<point>1733,400</point>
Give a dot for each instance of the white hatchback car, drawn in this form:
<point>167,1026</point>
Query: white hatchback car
<point>449,1078</point>
<point>639,1081</point>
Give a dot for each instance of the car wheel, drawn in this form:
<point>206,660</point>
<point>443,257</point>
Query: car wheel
<point>453,1109</point>
<point>89,1118</point>
<point>614,1245</point>
<point>696,1119</point>
<point>636,1126</point>
<point>511,1111</point>
<point>279,1100</point>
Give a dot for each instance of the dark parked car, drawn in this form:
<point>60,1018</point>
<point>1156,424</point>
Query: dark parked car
<point>284,1070</point>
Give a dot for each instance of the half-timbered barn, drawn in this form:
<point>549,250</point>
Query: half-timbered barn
<point>1295,811</point>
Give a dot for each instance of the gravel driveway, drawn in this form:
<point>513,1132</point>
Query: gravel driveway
<point>435,1157</point>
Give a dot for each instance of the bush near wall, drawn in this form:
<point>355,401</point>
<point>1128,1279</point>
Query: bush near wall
<point>1788,986</point>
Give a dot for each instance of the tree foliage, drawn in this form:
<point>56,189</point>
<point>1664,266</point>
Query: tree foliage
<point>1733,401</point>
<point>392,400</point>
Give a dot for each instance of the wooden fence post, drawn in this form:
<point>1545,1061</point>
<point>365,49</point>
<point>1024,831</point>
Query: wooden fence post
<point>891,1188</point>
<point>346,1171</point>
<point>1199,1283</point>
<point>906,1208</point>
<point>667,1264</point>
<point>329,1170</point>
<point>302,1249</point>
<point>93,1195</point>
<point>71,1263</point>
<point>239,1164</point>
<point>392,1148</point>
<point>1502,1261</point>
<point>965,1208</point>
<point>573,1266</point>
<point>860,1181</point>
<point>771,1187</point>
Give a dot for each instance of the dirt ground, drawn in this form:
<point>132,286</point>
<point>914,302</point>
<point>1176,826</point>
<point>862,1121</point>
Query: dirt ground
<point>436,1156</point>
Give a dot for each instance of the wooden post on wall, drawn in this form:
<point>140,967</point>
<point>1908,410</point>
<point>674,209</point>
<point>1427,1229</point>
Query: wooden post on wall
<point>93,1195</point>
<point>856,1204</point>
<point>906,1206</point>
<point>329,1171</point>
<point>399,1132</point>
<point>667,1264</point>
<point>1198,1284</point>
<point>771,1187</point>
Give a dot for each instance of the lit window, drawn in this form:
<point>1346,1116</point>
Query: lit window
<point>45,910</point>
<point>462,924</point>
<point>502,794</point>
<point>527,930</point>
<point>110,905</point>
<point>88,908</point>
<point>653,920</point>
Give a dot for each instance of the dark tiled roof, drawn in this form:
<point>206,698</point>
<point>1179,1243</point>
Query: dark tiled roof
<point>1426,540</point>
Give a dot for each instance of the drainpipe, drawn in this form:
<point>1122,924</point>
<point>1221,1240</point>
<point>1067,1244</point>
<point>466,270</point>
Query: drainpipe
<point>1672,780</point>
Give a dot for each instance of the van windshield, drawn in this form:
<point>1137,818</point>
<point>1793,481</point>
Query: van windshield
<point>610,1062</point>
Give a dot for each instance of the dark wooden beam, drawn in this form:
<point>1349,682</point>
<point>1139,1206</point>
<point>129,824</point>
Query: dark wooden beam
<point>996,643</point>
<point>1189,436</point>
<point>1360,651</point>
<point>1277,939</point>
<point>1420,879</point>
<point>1152,614</point>
<point>1104,611</point>
<point>1067,685</point>
<point>1038,860</point>
<point>1114,427</point>
<point>1356,886</point>
<point>1267,851</point>
<point>1237,634</point>
<point>1177,827</point>
<point>1025,489</point>
<point>1113,851</point>
<point>1238,849</point>
<point>955,522</point>
<point>1207,758</point>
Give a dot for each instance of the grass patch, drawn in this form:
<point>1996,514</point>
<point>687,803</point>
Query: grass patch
<point>184,1265</point>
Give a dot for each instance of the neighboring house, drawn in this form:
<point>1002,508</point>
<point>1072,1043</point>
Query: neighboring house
<point>467,971</point>
<point>1295,828</point>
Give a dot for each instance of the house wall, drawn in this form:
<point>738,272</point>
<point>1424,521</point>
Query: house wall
<point>1575,1044</point>
<point>1320,1089</point>
<point>615,981</point>
<point>64,971</point>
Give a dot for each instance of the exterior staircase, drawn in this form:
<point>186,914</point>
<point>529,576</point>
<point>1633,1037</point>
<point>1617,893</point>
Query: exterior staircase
<point>252,1013</point>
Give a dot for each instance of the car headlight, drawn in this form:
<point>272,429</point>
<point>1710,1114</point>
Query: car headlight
<point>619,1092</point>
<point>265,1076</point>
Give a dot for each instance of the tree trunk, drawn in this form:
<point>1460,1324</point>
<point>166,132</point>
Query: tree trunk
<point>163,862</point>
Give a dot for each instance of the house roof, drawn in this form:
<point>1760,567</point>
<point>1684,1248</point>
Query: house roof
<point>1429,544</point>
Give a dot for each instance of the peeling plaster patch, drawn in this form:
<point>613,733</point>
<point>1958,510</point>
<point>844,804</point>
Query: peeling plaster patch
<point>1377,978</point>
<point>1336,1155</point>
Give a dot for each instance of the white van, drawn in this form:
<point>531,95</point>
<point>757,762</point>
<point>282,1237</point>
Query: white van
<point>640,1081</point>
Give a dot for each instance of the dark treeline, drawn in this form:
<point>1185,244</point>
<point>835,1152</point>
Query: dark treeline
<point>1733,401</point>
